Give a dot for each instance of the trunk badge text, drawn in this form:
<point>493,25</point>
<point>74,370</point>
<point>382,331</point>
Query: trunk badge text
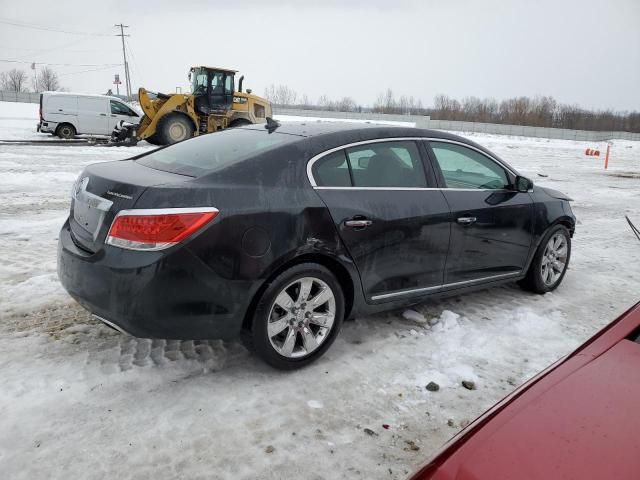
<point>119,195</point>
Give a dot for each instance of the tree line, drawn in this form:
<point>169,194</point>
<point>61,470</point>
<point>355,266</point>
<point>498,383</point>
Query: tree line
<point>540,111</point>
<point>15,80</point>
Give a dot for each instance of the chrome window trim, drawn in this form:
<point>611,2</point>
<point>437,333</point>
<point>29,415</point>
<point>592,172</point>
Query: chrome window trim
<point>444,286</point>
<point>417,188</point>
<point>317,157</point>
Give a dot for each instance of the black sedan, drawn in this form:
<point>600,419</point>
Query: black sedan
<point>278,233</point>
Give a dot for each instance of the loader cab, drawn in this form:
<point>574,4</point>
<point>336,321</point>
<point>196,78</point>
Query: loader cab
<point>212,88</point>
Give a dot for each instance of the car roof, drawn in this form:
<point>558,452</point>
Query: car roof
<point>357,130</point>
<point>324,134</point>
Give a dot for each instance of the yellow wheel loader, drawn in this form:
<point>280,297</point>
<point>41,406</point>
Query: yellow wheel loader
<point>213,104</point>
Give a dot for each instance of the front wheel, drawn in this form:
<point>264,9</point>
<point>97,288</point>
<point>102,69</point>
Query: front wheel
<point>297,317</point>
<point>550,262</point>
<point>173,128</point>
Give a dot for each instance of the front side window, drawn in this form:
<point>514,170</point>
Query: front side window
<point>464,167</point>
<point>118,108</point>
<point>199,81</point>
<point>387,164</point>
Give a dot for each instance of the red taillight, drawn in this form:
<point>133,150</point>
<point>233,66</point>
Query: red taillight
<point>157,229</point>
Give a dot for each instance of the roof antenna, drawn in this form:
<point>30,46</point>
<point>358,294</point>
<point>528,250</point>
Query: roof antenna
<point>271,124</point>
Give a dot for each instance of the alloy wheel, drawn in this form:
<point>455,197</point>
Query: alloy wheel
<point>301,317</point>
<point>554,259</point>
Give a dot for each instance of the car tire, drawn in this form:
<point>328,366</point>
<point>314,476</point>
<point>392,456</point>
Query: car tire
<point>66,131</point>
<point>173,128</point>
<point>283,304</point>
<point>550,263</point>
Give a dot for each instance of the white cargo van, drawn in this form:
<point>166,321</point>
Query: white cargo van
<point>69,114</point>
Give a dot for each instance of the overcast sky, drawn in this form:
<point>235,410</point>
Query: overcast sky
<point>578,51</point>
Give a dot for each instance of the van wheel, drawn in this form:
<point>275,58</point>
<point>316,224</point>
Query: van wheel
<point>297,317</point>
<point>173,128</point>
<point>66,131</point>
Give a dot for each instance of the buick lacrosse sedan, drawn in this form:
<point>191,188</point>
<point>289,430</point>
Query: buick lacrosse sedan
<point>277,234</point>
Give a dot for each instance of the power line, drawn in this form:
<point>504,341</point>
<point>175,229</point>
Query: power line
<point>59,47</point>
<point>50,29</point>
<point>65,64</point>
<point>85,71</point>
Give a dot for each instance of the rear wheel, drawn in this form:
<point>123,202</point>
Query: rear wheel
<point>66,131</point>
<point>297,317</point>
<point>173,128</point>
<point>550,262</point>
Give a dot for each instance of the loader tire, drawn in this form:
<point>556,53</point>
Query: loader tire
<point>173,128</point>
<point>153,140</point>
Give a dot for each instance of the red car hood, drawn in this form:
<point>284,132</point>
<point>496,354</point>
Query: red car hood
<point>579,420</point>
<point>585,426</point>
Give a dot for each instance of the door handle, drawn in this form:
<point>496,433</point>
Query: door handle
<point>466,220</point>
<point>103,114</point>
<point>359,223</point>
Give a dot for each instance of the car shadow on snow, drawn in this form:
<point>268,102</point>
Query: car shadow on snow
<point>76,331</point>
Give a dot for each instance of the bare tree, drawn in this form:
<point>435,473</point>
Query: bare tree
<point>47,80</point>
<point>14,80</point>
<point>280,94</point>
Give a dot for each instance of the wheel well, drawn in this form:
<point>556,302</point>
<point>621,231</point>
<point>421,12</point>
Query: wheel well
<point>567,223</point>
<point>239,121</point>
<point>340,272</point>
<point>60,125</point>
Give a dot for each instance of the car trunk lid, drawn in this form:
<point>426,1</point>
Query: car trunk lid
<point>102,190</point>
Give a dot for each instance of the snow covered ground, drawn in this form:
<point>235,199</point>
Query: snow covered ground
<point>78,400</point>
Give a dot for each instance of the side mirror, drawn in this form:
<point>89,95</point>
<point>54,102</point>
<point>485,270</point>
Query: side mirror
<point>189,76</point>
<point>523,184</point>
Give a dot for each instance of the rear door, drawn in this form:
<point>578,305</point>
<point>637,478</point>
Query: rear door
<point>392,220</point>
<point>59,108</point>
<point>92,115</point>
<point>492,224</point>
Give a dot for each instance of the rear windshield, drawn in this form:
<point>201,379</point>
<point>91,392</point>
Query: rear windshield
<point>215,151</point>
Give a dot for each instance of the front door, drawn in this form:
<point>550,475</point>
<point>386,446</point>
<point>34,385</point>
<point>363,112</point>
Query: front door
<point>394,225</point>
<point>221,90</point>
<point>491,223</point>
<point>119,111</point>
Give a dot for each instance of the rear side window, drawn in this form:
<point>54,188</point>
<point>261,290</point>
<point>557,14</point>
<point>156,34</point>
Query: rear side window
<point>332,170</point>
<point>387,164</point>
<point>463,167</point>
<point>213,152</point>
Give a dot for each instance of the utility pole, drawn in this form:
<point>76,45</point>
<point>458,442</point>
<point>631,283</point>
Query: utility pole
<point>127,80</point>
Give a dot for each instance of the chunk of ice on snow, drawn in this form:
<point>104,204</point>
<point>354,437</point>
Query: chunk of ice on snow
<point>447,320</point>
<point>414,316</point>
<point>315,404</point>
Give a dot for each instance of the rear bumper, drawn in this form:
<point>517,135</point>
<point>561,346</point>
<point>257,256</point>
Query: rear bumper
<point>47,127</point>
<point>153,294</point>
